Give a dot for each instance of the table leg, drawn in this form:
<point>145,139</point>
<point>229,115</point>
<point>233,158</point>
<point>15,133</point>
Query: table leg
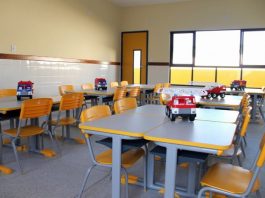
<point>116,167</point>
<point>192,179</point>
<point>100,100</point>
<point>143,97</point>
<point>1,145</point>
<point>150,170</point>
<point>171,162</point>
<point>254,107</point>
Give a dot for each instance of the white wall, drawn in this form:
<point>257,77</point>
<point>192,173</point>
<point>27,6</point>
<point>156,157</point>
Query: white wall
<point>47,76</point>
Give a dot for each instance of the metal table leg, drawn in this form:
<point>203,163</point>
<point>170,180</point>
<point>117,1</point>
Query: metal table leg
<point>191,179</point>
<point>254,107</point>
<point>67,126</point>
<point>171,162</point>
<point>100,100</point>
<point>116,167</point>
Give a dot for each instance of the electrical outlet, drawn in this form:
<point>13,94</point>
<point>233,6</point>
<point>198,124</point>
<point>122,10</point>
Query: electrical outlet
<point>13,48</point>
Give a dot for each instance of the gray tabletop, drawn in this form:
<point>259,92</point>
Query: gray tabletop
<point>227,101</point>
<point>127,124</point>
<point>213,115</point>
<point>93,92</point>
<point>205,134</point>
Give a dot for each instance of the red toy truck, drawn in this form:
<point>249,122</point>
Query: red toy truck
<point>216,91</point>
<point>183,106</point>
<point>100,84</point>
<point>24,89</point>
<point>238,85</point>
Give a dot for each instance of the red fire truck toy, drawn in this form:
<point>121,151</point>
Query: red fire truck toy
<point>238,85</point>
<point>183,106</point>
<point>24,89</point>
<point>100,84</point>
<point>215,91</point>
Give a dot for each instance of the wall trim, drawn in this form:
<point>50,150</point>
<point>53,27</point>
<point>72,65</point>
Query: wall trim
<point>158,63</point>
<point>54,59</point>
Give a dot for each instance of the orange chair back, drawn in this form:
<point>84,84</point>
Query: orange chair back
<point>245,122</point>
<point>134,92</point>
<point>125,104</point>
<point>64,88</point>
<point>114,84</point>
<point>261,158</point>
<point>87,86</point>
<point>124,83</point>
<point>71,101</point>
<point>7,92</point>
<point>157,87</point>
<point>95,113</point>
<point>164,98</point>
<point>119,93</point>
<point>35,108</point>
<point>166,85</point>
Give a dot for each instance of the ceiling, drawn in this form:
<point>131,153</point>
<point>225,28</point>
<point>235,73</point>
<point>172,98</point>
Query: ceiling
<point>127,3</point>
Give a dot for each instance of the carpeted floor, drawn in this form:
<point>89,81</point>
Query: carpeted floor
<point>61,177</point>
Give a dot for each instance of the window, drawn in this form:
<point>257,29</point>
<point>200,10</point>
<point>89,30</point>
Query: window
<point>217,48</point>
<point>183,48</point>
<point>137,66</point>
<point>254,48</point>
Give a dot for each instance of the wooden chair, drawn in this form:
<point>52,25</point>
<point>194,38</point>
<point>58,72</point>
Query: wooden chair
<point>114,84</point>
<point>128,158</point>
<point>135,92</point>
<point>155,97</point>
<point>87,86</point>
<point>119,93</point>
<point>166,85</point>
<point>124,83</point>
<point>234,181</point>
<point>164,98</point>
<point>30,109</point>
<point>68,102</point>
<point>124,104</point>
<point>64,88</point>
<point>237,148</point>
<point>89,99</point>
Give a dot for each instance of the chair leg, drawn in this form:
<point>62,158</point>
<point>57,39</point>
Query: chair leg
<point>145,168</point>
<point>239,161</point>
<point>258,195</point>
<point>85,181</point>
<point>243,149</point>
<point>126,182</point>
<point>13,142</point>
<point>55,144</point>
<point>261,113</point>
<point>245,140</point>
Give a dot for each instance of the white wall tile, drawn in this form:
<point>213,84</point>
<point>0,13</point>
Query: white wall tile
<point>47,76</point>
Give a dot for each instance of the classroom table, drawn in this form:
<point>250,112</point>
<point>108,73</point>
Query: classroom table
<point>119,127</point>
<point>255,93</point>
<point>142,121</point>
<point>198,136</point>
<point>98,93</point>
<point>213,115</point>
<point>228,102</point>
<point>9,104</point>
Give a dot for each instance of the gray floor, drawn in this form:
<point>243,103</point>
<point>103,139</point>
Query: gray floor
<point>62,177</point>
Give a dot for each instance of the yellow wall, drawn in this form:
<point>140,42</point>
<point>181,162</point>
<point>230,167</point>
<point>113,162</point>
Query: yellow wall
<point>226,76</point>
<point>88,29</point>
<point>190,15</point>
<point>204,74</point>
<point>254,77</point>
<point>180,75</point>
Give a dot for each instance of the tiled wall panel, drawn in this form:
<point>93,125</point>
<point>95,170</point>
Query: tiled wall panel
<point>47,75</point>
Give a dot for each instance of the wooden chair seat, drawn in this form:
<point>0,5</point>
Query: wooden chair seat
<point>64,121</point>
<point>128,159</point>
<point>26,131</point>
<point>229,178</point>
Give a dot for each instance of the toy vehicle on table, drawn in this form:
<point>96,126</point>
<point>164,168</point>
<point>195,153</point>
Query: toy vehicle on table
<point>100,84</point>
<point>183,106</point>
<point>238,85</point>
<point>24,89</point>
<point>215,91</point>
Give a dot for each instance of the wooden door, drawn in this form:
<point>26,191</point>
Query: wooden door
<point>134,57</point>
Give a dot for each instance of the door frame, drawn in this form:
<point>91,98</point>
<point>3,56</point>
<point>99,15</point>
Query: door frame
<point>147,47</point>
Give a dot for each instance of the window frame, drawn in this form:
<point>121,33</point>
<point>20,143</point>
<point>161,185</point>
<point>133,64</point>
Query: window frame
<point>192,66</point>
